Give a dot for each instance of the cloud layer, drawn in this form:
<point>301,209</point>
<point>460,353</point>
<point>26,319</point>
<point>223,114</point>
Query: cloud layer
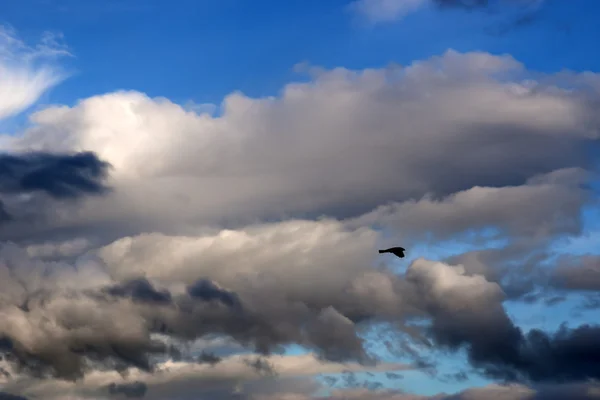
<point>259,226</point>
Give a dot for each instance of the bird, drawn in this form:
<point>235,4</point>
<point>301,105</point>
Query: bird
<point>397,251</point>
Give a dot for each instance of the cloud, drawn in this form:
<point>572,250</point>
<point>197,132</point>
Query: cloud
<point>112,322</point>
<point>232,375</point>
<point>27,72</point>
<point>259,226</point>
<point>59,176</point>
<point>516,13</point>
<point>8,396</point>
<point>335,289</point>
<point>386,10</point>
<point>545,206</point>
<point>467,310</point>
<point>134,389</point>
<point>578,273</point>
<point>280,157</point>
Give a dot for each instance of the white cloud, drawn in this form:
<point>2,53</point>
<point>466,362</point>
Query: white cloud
<point>342,144</point>
<point>27,72</point>
<point>386,10</point>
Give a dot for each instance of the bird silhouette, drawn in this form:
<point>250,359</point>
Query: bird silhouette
<point>397,251</point>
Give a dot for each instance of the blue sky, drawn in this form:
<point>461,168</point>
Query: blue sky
<point>203,50</point>
<point>199,51</point>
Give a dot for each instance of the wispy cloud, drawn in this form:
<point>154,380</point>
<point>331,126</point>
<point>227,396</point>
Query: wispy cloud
<point>381,11</point>
<point>386,10</point>
<point>27,71</point>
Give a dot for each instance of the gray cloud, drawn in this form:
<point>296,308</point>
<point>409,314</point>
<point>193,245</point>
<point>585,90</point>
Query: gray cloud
<point>123,283</point>
<point>578,273</point>
<point>544,206</point>
<point>238,376</point>
<point>464,310</point>
<point>8,396</point>
<point>498,392</point>
<point>488,109</point>
<point>141,290</point>
<point>130,390</point>
<point>467,311</point>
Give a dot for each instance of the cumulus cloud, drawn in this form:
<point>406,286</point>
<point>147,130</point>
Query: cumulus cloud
<point>259,226</point>
<point>26,72</point>
<point>263,306</point>
<point>307,153</point>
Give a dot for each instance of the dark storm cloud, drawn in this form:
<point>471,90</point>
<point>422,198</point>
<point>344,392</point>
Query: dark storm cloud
<point>58,175</point>
<point>207,291</point>
<point>140,290</point>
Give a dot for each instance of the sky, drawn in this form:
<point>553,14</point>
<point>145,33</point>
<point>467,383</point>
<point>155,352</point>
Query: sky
<point>193,195</point>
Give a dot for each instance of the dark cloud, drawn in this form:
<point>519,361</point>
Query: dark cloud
<point>58,175</point>
<point>130,390</point>
<point>580,391</point>
<point>577,273</point>
<point>208,358</point>
<point>140,290</point>
<point>87,332</point>
<point>261,365</point>
<point>207,291</point>
<point>495,344</point>
<point>467,312</point>
<point>8,396</point>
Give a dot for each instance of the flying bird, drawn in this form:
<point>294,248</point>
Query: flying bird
<point>397,251</point>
